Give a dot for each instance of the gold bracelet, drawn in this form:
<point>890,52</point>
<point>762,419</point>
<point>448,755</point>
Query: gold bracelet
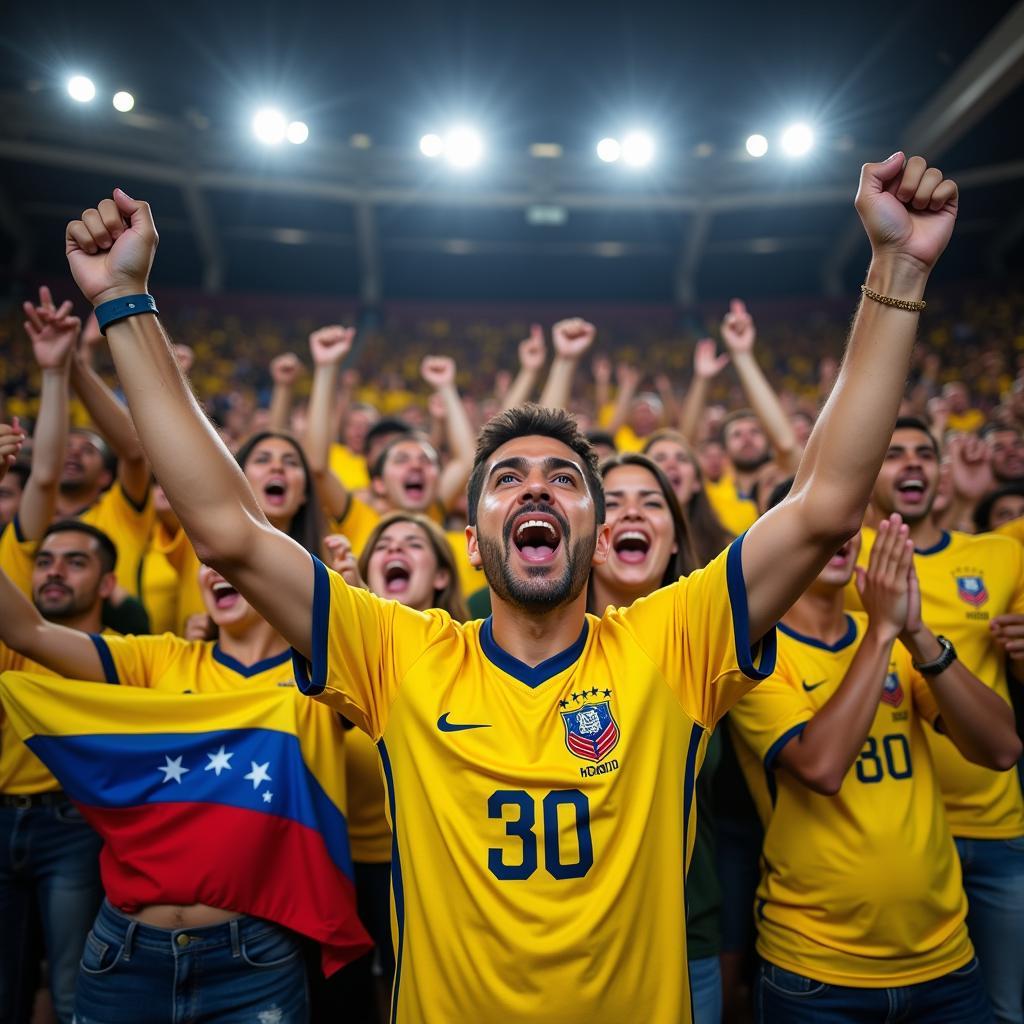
<point>910,305</point>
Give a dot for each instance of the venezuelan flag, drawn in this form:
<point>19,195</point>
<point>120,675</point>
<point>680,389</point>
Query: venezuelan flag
<point>229,799</point>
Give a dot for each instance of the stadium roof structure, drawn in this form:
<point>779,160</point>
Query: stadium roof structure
<point>357,212</point>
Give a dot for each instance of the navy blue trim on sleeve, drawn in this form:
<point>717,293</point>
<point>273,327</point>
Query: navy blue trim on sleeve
<point>106,658</point>
<point>397,887</point>
<point>843,642</point>
<point>138,506</point>
<point>773,752</point>
<point>531,675</point>
<point>745,651</point>
<point>249,670</point>
<point>311,677</point>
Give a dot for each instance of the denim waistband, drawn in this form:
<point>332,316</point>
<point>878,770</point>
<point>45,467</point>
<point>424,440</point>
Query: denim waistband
<point>114,927</point>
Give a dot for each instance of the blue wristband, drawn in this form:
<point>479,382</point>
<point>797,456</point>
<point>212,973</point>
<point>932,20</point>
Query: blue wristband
<point>110,312</point>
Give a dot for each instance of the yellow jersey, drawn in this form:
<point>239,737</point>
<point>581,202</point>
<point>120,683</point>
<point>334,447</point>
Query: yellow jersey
<point>735,511</point>
<point>17,557</point>
<point>1014,528</point>
<point>21,772</point>
<point>348,467</point>
<point>128,525</point>
<point>542,816</point>
<point>862,888</point>
<point>966,580</point>
<point>169,581</point>
<point>368,830</point>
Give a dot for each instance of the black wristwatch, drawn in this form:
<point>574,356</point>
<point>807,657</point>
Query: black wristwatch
<point>942,662</point>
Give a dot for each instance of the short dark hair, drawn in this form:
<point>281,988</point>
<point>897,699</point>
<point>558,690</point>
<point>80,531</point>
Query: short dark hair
<point>527,421</point>
<point>983,512</point>
<point>734,417</point>
<point>376,470</point>
<point>995,427</point>
<point>916,423</point>
<point>22,471</point>
<point>387,425</point>
<point>596,437</point>
<point>107,548</point>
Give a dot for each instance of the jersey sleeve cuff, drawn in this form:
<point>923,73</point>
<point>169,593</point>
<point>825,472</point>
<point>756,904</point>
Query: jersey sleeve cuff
<point>776,748</point>
<point>756,661</point>
<point>311,676</point>
<point>106,659</point>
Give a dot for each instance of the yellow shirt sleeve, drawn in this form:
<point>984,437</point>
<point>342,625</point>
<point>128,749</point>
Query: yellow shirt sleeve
<point>1014,528</point>
<point>362,648</point>
<point>128,525</point>
<point>138,660</point>
<point>348,467</point>
<point>17,557</point>
<point>697,632</point>
<point>356,524</point>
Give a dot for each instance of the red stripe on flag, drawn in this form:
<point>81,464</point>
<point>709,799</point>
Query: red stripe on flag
<point>234,859</point>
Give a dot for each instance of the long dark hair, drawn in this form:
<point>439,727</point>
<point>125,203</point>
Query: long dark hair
<point>708,536</point>
<point>684,561</point>
<point>307,525</point>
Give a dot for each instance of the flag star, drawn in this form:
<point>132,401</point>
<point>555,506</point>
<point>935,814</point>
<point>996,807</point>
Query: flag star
<point>593,692</point>
<point>267,796</point>
<point>219,761</point>
<point>607,693</point>
<point>258,774</point>
<point>172,769</point>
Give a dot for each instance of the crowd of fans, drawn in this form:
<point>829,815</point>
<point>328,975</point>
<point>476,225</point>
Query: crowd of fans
<point>360,445</point>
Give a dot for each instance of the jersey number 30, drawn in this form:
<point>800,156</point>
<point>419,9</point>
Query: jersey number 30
<point>522,828</point>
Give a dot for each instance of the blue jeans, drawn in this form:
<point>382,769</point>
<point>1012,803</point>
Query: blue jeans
<point>956,998</point>
<point>244,970</point>
<point>706,990</point>
<point>994,881</point>
<point>49,865</point>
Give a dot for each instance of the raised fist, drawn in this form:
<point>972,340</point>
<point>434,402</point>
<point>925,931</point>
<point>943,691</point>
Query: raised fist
<point>111,249</point>
<point>738,329</point>
<point>573,337</point>
<point>438,371</point>
<point>908,209</point>
<point>706,364</point>
<point>970,461</point>
<point>285,368</point>
<point>533,351</point>
<point>342,560</point>
<point>12,437</point>
<point>331,344</point>
<point>53,332</point>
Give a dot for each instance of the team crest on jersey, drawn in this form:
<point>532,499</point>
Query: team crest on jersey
<point>892,692</point>
<point>972,590</point>
<point>591,731</point>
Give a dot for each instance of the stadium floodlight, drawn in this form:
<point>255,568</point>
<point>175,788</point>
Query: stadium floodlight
<point>463,147</point>
<point>609,150</point>
<point>797,139</point>
<point>123,101</point>
<point>81,89</point>
<point>297,132</point>
<point>757,146</point>
<point>269,126</point>
<point>638,149</point>
<point>431,145</point>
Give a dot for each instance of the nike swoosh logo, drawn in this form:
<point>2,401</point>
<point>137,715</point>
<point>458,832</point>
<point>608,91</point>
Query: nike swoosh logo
<point>445,726</point>
<point>813,686</point>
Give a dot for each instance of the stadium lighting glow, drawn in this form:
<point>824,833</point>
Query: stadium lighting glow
<point>463,147</point>
<point>431,145</point>
<point>638,149</point>
<point>297,133</point>
<point>269,126</point>
<point>123,101</point>
<point>81,89</point>
<point>609,150</point>
<point>757,145</point>
<point>797,140</point>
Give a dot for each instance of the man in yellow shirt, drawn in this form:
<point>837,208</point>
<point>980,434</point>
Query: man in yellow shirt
<point>970,587</point>
<point>861,908</point>
<point>540,765</point>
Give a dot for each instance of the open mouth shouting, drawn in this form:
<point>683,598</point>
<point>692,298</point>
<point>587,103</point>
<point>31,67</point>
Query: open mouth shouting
<point>224,595</point>
<point>911,488</point>
<point>631,545</point>
<point>414,486</point>
<point>275,492</point>
<point>397,577</point>
<point>537,537</point>
<point>841,559</point>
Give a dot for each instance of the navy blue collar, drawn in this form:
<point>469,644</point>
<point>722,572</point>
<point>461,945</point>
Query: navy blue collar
<point>941,545</point>
<point>532,676</point>
<point>250,670</point>
<point>843,642</point>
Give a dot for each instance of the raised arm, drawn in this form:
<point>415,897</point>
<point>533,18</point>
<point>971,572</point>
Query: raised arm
<point>439,373</point>
<point>908,211</point>
<point>628,380</point>
<point>68,652</point>
<point>706,366</point>
<point>53,333</point>
<point>284,372</point>
<point>110,252</point>
<point>532,353</point>
<point>571,339</point>
<point>739,334</point>
<point>112,420</point>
